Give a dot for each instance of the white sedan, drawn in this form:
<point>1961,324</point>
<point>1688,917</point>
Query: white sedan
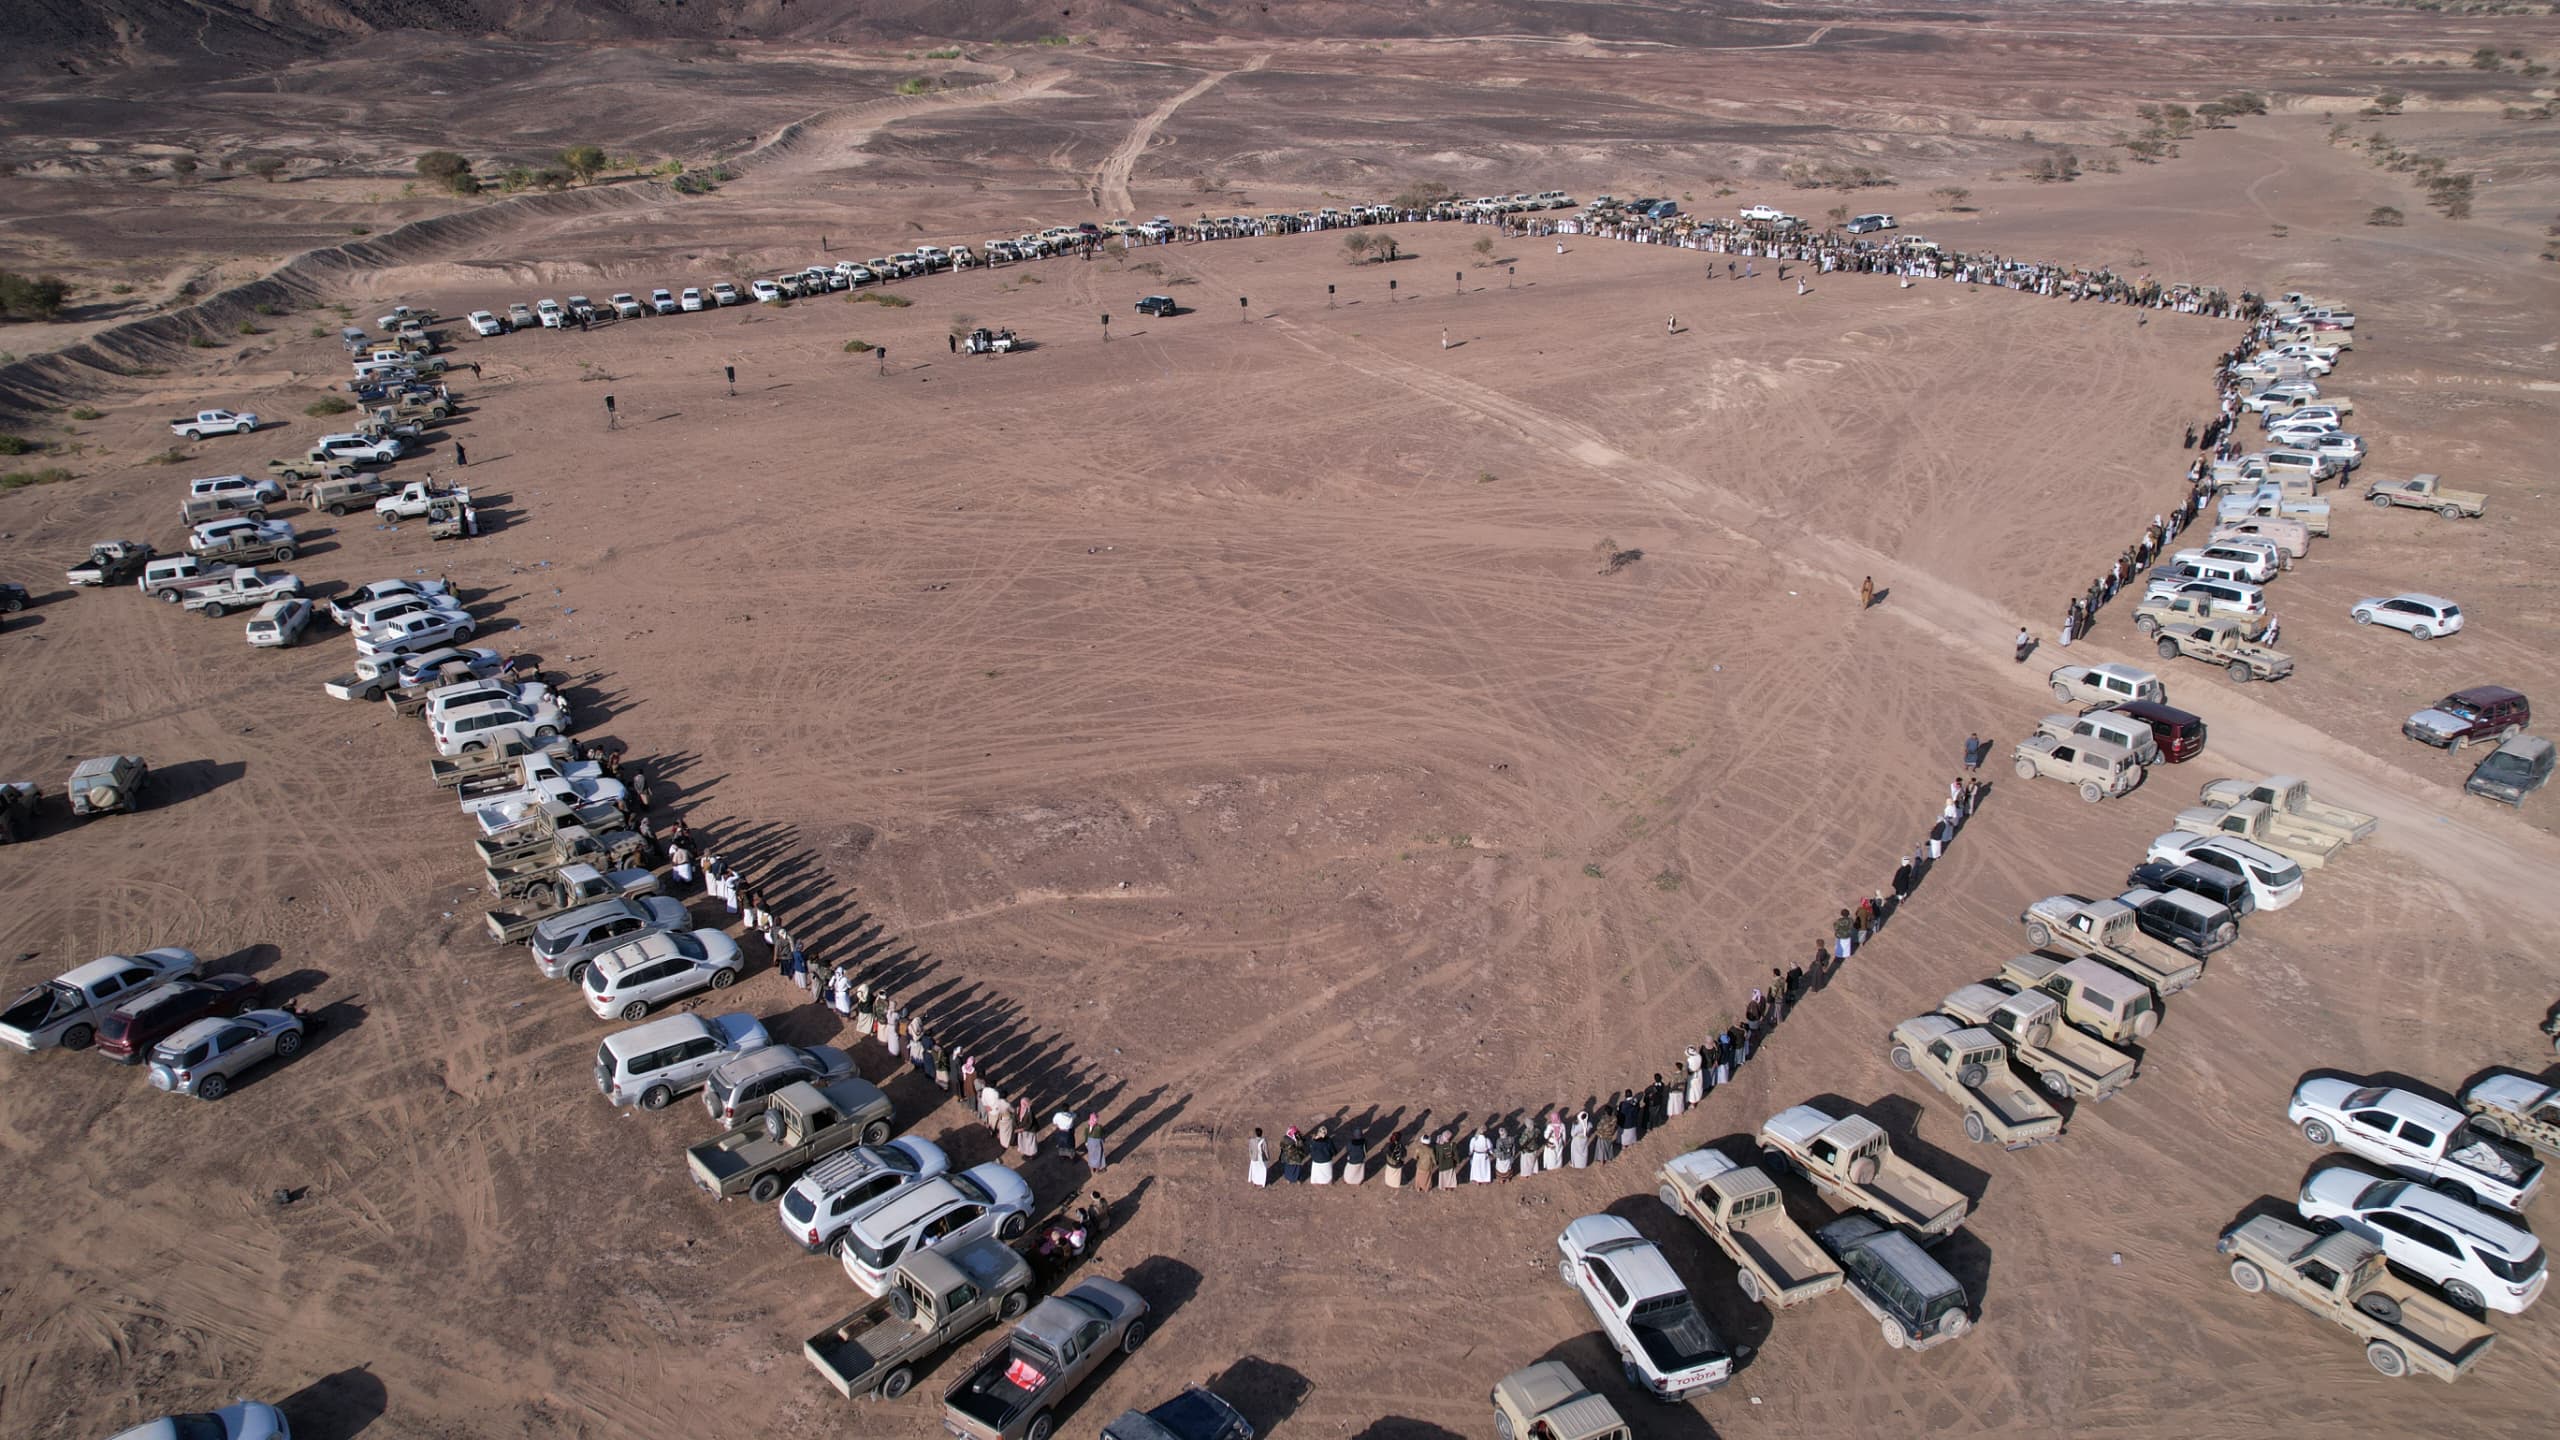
<point>2425,616</point>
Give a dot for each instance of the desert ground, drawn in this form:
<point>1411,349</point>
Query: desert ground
<point>1233,723</point>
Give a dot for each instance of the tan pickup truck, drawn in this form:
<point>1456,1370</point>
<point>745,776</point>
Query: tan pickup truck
<point>2065,1061</point>
<point>2095,995</point>
<point>2109,930</point>
<point>936,1299</point>
<point>1970,1066</point>
<point>2427,492</point>
<point>2311,847</point>
<point>1547,1401</point>
<point>2290,797</point>
<point>2341,1277</point>
<point>1850,1161</point>
<point>1741,1210</point>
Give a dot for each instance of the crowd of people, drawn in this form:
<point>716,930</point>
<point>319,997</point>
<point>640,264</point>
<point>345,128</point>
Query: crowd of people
<point>1566,1136</point>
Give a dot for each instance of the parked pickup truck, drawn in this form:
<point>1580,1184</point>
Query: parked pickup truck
<point>2417,1137</point>
<point>492,780</point>
<point>577,885</point>
<point>1014,1389</point>
<point>2342,1276</point>
<point>801,1124</point>
<point>248,547</point>
<point>2270,501</point>
<point>2224,642</point>
<point>1850,1161</point>
<point>2309,846</point>
<point>214,422</point>
<point>2427,492</point>
<point>171,576</point>
<point>110,562</point>
<point>1669,1350</point>
<point>1547,1401</point>
<point>1741,1210</point>
<point>2109,930</point>
<point>2511,1107</point>
<point>937,1298</point>
<point>338,494</point>
<point>401,677</point>
<point>2064,1060</point>
<point>540,876</point>
<point>410,501</point>
<point>537,834</point>
<point>2290,797</point>
<point>482,769</point>
<point>65,1010</point>
<point>240,590</point>
<point>1971,1066</point>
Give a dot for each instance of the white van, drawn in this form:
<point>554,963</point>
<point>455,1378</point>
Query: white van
<point>651,1064</point>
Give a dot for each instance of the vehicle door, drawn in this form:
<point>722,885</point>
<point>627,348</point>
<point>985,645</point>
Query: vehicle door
<point>2413,1242</point>
<point>235,1046</point>
<point>2408,612</point>
<point>1606,1281</point>
<point>653,973</point>
<point>2377,1128</point>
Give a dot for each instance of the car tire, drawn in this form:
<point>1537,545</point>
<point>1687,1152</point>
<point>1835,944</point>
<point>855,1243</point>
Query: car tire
<point>766,1190</point>
<point>288,1044</point>
<point>2450,512</point>
<point>169,596</point>
<point>2056,1084</point>
<point>284,552</point>
<point>1974,1129</point>
<point>78,1037</point>
<point>577,975</point>
<point>546,732</point>
<point>2455,1189</point>
<point>2386,1360</point>
<point>656,1097</point>
<point>212,1087</point>
<point>1502,1425</point>
<point>2062,693</point>
<point>2248,1276</point>
<point>2168,648</point>
<point>2092,792</point>
<point>899,1381</point>
<point>336,511</point>
<point>2379,1306</point>
<point>2317,1131</point>
<point>1040,1428</point>
<point>216,609</point>
<point>1894,1339</point>
<point>636,1010</point>
<point>876,1133</point>
<point>723,979</point>
<point>2381,502</point>
<point>2422,632</point>
<point>1748,1284</point>
<point>2039,935</point>
<point>1012,1226</point>
<point>1900,1055</point>
<point>2026,769</point>
<point>2238,670</point>
<point>2364,617</point>
<point>2148,626</point>
<point>1012,1305</point>
<point>1972,1077</point>
<point>1133,1337</point>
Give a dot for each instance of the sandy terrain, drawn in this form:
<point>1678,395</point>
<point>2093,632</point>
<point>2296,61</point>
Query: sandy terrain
<point>1230,725</point>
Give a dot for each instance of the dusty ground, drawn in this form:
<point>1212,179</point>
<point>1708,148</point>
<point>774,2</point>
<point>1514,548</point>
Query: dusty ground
<point>1230,726</point>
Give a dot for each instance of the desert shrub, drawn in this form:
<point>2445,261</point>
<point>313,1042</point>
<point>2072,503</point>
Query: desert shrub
<point>247,327</point>
<point>268,168</point>
<point>21,479</point>
<point>879,297</point>
<point>1359,243</point>
<point>17,445</point>
<point>1953,195</point>
<point>327,405</point>
<point>585,162</point>
<point>948,53</point>
<point>449,170</point>
<point>2385,215</point>
<point>914,85</point>
<point>31,297</point>
<point>201,342</point>
<point>858,347</point>
<point>83,412</point>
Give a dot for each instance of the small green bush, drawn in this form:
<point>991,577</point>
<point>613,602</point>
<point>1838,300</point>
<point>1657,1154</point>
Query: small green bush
<point>327,405</point>
<point>83,412</point>
<point>950,53</point>
<point>17,445</point>
<point>201,342</point>
<point>858,347</point>
<point>21,479</point>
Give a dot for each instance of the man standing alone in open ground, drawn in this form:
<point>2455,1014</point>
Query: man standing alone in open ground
<point>1867,593</point>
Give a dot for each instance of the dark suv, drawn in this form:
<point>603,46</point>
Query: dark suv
<point>2220,887</point>
<point>2180,735</point>
<point>1158,305</point>
<point>2483,712</point>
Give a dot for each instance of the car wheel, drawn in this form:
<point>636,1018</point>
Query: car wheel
<point>2039,935</point>
<point>1974,1129</point>
<point>1012,1306</point>
<point>169,596</point>
<point>546,732</point>
<point>2422,632</point>
<point>1502,1425</point>
<point>2382,502</point>
<point>766,1190</point>
<point>2168,648</point>
<point>2380,1306</point>
<point>636,1010</point>
<point>212,1087</point>
<point>337,511</point>
<point>723,979</point>
<point>2248,1277</point>
<point>288,1044</point>
<point>2450,512</point>
<point>1972,1076</point>
<point>1900,1055</point>
<point>2386,1360</point>
<point>577,974</point>
<point>2455,1189</point>
<point>2056,1084</point>
<point>284,552</point>
<point>2364,617</point>
<point>900,1380</point>
<point>2148,626</point>
<point>1012,1226</point>
<point>2092,792</point>
<point>876,1133</point>
<point>217,609</point>
<point>2238,670</point>
<point>2062,693</point>
<point>1040,1427</point>
<point>1893,1336</point>
<point>2318,1132</point>
<point>656,1097</point>
<point>1133,1337</point>
<point>78,1037</point>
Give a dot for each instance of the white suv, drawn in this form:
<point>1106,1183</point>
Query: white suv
<point>2273,880</point>
<point>2481,1261</point>
<point>650,1065</point>
<point>852,1183</point>
<point>949,1210</point>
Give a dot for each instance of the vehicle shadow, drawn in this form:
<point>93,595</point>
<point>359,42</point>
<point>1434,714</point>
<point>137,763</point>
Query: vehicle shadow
<point>293,985</point>
<point>1402,1427</point>
<point>247,960</point>
<point>1265,1392</point>
<point>192,779</point>
<point>1969,1260</point>
<point>336,1407</point>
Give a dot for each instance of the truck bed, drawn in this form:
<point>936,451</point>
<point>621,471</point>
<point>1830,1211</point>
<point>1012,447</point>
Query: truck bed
<point>2096,1069</point>
<point>842,1354</point>
<point>720,1160</point>
<point>2310,846</point>
<point>2436,1337</point>
<point>1905,1194</point>
<point>2354,825</point>
<point>2163,967</point>
<point>2016,1114</point>
<point>1006,1384</point>
<point>1791,1267</point>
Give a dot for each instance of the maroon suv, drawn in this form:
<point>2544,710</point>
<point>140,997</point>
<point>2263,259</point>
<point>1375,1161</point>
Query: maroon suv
<point>2179,734</point>
<point>131,1029</point>
<point>2483,712</point>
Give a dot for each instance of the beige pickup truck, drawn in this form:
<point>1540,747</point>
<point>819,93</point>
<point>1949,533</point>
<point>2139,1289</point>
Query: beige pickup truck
<point>2099,769</point>
<point>2290,797</point>
<point>1970,1066</point>
<point>2311,847</point>
<point>2341,1277</point>
<point>1741,1210</point>
<point>1849,1160</point>
<point>1547,1401</point>
<point>2065,1061</point>
<point>2427,492</point>
<point>2109,930</point>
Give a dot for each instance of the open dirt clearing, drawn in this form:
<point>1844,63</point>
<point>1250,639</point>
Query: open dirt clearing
<point>1230,725</point>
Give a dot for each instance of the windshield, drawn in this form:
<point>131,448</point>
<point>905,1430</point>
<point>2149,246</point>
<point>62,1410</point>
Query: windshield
<point>2506,765</point>
<point>686,946</point>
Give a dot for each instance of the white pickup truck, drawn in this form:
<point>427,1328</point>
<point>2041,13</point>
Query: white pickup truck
<point>1646,1312</point>
<point>214,422</point>
<point>414,499</point>
<point>240,590</point>
<point>2415,1136</point>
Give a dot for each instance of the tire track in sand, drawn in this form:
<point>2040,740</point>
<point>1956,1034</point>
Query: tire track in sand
<point>1111,181</point>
